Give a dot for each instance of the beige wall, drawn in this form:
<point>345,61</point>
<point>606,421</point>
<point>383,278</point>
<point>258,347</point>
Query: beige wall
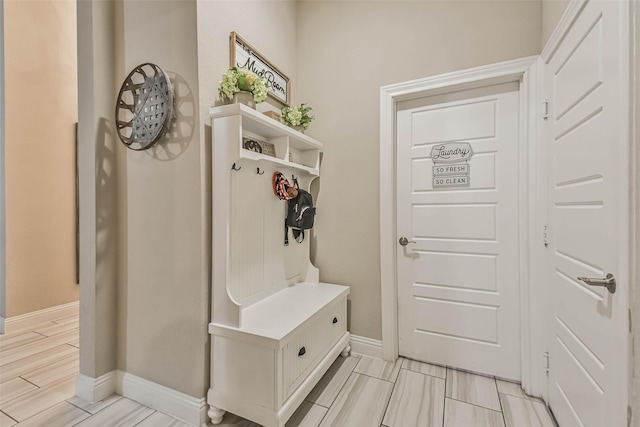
<point>268,25</point>
<point>163,288</point>
<point>41,93</point>
<point>552,11</point>
<point>341,67</point>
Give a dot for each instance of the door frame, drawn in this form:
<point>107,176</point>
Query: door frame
<point>3,210</point>
<point>526,71</point>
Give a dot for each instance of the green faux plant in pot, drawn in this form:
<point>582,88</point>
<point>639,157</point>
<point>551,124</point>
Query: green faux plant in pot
<point>239,79</point>
<point>296,116</point>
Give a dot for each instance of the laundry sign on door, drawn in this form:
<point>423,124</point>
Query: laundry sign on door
<point>450,164</point>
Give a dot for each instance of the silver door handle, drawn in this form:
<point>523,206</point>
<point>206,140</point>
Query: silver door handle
<point>404,241</point>
<point>608,282</point>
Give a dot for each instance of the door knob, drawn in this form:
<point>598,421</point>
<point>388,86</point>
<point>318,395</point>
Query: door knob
<point>608,282</point>
<point>404,241</point>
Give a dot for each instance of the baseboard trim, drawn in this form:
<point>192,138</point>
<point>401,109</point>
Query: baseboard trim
<point>366,346</point>
<point>95,389</point>
<point>2,320</point>
<point>189,409</point>
<point>179,405</point>
<point>44,315</point>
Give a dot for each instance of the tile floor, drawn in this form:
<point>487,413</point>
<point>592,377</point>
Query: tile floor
<point>39,363</point>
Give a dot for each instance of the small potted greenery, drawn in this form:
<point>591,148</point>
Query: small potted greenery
<point>296,117</point>
<point>239,84</point>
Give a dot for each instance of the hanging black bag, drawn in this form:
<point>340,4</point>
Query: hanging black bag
<point>300,216</point>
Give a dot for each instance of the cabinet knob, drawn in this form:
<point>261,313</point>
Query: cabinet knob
<point>335,320</point>
<point>302,352</point>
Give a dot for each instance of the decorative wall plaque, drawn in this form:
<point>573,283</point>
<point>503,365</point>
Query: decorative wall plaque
<point>242,54</point>
<point>448,167</point>
<point>144,107</point>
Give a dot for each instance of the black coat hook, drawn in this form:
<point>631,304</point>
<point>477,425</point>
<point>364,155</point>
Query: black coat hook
<point>258,171</point>
<point>234,168</point>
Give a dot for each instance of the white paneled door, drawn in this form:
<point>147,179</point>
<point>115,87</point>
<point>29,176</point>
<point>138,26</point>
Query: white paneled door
<point>587,146</point>
<point>458,284</point>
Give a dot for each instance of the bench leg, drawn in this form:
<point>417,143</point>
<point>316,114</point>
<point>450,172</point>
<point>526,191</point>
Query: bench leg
<point>346,351</point>
<point>216,414</point>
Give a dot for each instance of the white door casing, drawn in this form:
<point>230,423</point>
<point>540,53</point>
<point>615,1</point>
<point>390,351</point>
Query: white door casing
<point>2,184</point>
<point>587,145</point>
<point>458,285</point>
<point>525,71</point>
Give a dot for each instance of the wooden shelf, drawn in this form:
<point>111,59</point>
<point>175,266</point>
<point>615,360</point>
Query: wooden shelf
<point>247,154</point>
<point>300,145</point>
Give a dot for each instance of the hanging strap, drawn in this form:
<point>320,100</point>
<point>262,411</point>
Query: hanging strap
<point>286,233</point>
<point>297,234</point>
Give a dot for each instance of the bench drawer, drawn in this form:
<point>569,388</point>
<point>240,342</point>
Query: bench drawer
<point>311,344</point>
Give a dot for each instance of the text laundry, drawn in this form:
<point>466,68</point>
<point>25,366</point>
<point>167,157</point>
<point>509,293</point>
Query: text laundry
<point>444,153</point>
